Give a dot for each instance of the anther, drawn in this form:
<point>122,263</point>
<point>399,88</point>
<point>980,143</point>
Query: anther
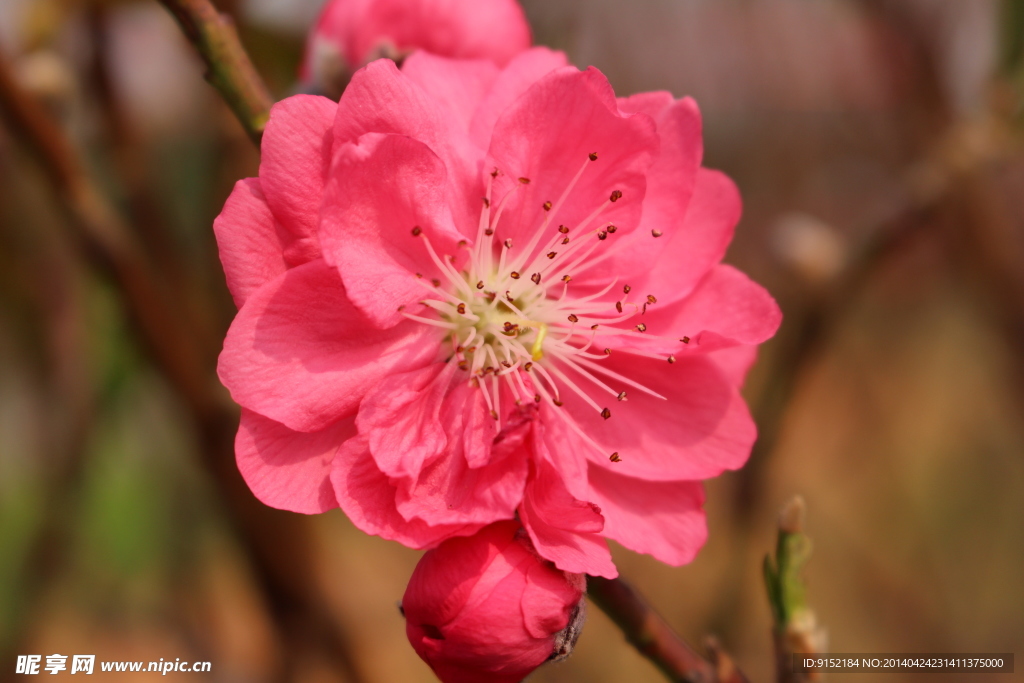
<point>606,413</point>
<point>536,278</point>
<point>602,235</point>
<point>671,359</point>
<point>562,229</point>
<point>657,233</point>
<point>419,275</point>
<point>566,278</point>
<point>506,364</point>
<point>573,318</point>
<point>618,306</point>
<point>508,243</point>
<point>565,241</point>
<point>401,308</point>
<point>641,328</point>
<point>461,308</point>
<point>494,173</point>
<point>494,414</point>
<point>480,284</point>
<point>593,156</point>
<point>528,366</point>
<point>611,229</point>
<point>621,396</point>
<point>615,196</point>
<point>462,244</point>
<point>463,365</point>
<point>508,295</point>
<point>651,299</point>
<point>552,254</point>
<point>547,206</point>
<point>416,231</point>
<point>607,352</point>
<point>557,403</point>
<point>435,282</point>
<point>487,202</point>
<point>524,181</point>
<point>614,457</point>
<point>488,232</point>
<point>514,275</point>
<point>593,327</point>
<point>536,398</point>
<point>685,340</point>
<point>626,289</point>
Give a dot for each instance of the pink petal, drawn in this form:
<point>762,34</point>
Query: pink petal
<point>466,29</point>
<point>379,99</point>
<point>368,498</point>
<point>382,187</point>
<point>300,353</point>
<point>515,79</point>
<point>296,153</point>
<point>426,433</point>
<point>664,519</point>
<point>563,528</point>
<point>547,601</point>
<point>287,469</point>
<point>735,362</point>
<point>401,419</point>
<point>249,240</point>
<point>459,84</point>
<point>546,137</point>
<point>702,429</point>
<point>726,309</point>
<point>671,266</point>
<point>732,309</point>
<point>478,478</point>
<point>674,262</point>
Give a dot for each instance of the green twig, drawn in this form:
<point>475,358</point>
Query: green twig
<point>796,629</point>
<point>229,68</point>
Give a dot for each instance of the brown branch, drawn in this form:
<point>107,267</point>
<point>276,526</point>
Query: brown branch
<point>651,635</point>
<point>277,544</point>
<point>229,68</point>
<point>106,239</point>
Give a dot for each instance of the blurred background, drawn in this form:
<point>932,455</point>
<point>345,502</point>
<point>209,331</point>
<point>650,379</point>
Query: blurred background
<point>878,148</point>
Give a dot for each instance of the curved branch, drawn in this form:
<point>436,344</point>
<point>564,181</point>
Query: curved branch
<point>228,67</point>
<point>651,635</point>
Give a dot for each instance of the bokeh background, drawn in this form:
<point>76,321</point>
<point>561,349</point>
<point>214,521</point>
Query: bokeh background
<point>878,147</point>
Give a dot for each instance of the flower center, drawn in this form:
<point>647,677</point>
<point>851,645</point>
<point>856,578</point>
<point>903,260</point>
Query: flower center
<point>512,317</point>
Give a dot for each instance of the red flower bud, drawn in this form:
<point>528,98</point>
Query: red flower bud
<point>487,608</point>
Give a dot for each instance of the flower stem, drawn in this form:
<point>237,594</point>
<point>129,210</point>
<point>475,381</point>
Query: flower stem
<point>651,635</point>
<point>229,68</point>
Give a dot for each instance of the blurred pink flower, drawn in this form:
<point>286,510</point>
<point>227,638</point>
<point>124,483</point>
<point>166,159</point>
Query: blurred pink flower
<point>350,33</point>
<point>487,609</point>
<point>467,293</point>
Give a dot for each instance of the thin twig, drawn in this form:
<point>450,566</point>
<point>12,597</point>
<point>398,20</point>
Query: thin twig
<point>229,68</point>
<point>651,635</point>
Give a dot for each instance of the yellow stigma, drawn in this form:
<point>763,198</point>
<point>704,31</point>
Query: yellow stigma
<point>535,350</point>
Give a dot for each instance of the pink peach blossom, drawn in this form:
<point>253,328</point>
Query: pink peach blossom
<point>488,609</point>
<point>469,293</point>
<point>350,33</point>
